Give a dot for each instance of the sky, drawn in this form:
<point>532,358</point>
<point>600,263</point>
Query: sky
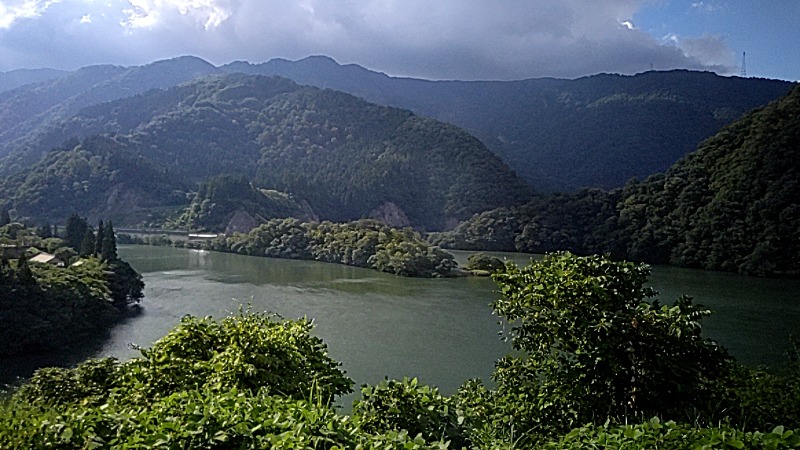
<point>433,39</point>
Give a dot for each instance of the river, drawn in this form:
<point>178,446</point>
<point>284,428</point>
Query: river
<point>379,325</point>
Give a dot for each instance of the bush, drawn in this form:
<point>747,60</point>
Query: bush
<point>596,348</point>
<point>405,405</point>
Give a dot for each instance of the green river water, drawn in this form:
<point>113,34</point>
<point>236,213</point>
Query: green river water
<point>379,325</point>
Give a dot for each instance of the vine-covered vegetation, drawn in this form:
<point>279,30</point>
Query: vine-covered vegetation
<point>365,243</point>
<point>598,366</point>
<point>731,205</point>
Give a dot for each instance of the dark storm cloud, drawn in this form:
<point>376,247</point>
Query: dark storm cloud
<point>463,39</point>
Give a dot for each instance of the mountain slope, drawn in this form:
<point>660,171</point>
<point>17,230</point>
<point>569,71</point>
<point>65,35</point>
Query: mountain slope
<point>98,178</point>
<point>733,205</point>
<point>347,158</point>
<point>16,78</point>
<point>26,109</point>
<point>596,131</point>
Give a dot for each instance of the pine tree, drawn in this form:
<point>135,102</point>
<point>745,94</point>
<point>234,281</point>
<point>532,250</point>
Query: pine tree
<point>98,243</point>
<point>88,244</point>
<point>75,231</point>
<point>109,252</point>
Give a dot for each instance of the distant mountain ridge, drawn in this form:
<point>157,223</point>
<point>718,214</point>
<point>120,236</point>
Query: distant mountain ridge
<point>557,134</point>
<point>345,157</point>
<point>16,78</point>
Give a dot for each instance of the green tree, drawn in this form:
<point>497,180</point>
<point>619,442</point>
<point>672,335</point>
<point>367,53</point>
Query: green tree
<point>124,282</point>
<point>101,236</point>
<point>88,243</point>
<point>45,231</point>
<point>23,275</point>
<point>109,250</point>
<point>65,254</point>
<point>75,231</point>
<point>595,346</point>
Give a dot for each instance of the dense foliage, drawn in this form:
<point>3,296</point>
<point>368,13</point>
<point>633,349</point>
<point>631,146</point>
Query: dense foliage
<point>481,264</point>
<point>599,366</point>
<point>561,135</point>
<point>364,243</point>
<point>595,346</point>
<point>250,381</point>
<point>46,307</point>
<point>96,178</point>
<point>347,158</point>
<point>224,197</point>
<point>731,205</point>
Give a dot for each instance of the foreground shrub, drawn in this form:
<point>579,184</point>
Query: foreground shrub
<point>249,352</point>
<point>193,419</point>
<point>406,405</point>
<point>595,347</point>
<point>669,435</point>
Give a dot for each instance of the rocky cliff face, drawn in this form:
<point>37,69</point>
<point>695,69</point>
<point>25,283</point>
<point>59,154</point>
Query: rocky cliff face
<point>241,222</point>
<point>390,214</point>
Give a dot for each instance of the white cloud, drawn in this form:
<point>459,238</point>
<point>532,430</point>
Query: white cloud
<point>13,10</point>
<point>712,50</point>
<point>150,13</point>
<point>464,39</point>
<point>706,6</point>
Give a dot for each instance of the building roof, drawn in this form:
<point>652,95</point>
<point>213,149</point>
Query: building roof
<point>43,258</point>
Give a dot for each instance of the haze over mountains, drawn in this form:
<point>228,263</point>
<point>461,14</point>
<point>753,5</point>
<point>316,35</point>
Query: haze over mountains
<point>557,134</point>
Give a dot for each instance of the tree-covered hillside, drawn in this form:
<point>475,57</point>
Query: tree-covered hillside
<point>230,203</point>
<point>26,110</point>
<point>732,205</point>
<point>596,131</point>
<point>347,158</point>
<point>98,178</point>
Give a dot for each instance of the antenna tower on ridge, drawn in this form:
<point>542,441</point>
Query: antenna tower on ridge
<point>744,65</point>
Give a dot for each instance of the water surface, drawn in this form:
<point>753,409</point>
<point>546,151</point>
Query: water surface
<point>379,325</point>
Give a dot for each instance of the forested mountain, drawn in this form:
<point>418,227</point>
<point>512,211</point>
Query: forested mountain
<point>347,158</point>
<point>596,131</point>
<point>733,204</point>
<point>26,109</point>
<point>98,178</point>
